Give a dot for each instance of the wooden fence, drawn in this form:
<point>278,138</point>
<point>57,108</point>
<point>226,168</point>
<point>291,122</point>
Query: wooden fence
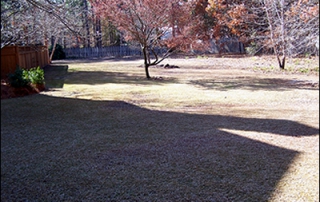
<point>227,45</point>
<point>221,46</point>
<point>109,51</point>
<point>23,56</point>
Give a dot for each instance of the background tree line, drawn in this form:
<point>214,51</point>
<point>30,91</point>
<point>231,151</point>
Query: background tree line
<point>282,27</point>
<point>71,22</point>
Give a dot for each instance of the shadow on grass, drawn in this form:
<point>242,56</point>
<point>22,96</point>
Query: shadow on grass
<point>254,84</point>
<point>57,75</point>
<point>59,149</point>
<point>102,77</point>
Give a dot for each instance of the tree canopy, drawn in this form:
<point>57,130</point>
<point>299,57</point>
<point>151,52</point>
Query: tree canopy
<point>282,27</point>
<point>149,22</point>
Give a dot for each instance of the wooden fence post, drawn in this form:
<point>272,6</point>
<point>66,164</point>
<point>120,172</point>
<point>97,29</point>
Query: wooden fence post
<point>17,55</point>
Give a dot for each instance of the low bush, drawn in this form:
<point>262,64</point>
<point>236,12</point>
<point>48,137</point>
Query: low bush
<point>17,79</point>
<point>34,75</point>
<point>58,52</point>
<point>25,77</point>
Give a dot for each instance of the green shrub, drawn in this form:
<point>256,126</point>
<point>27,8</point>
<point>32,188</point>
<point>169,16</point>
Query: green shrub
<point>316,69</point>
<point>58,53</point>
<point>24,77</point>
<point>34,75</point>
<point>252,49</point>
<point>17,79</point>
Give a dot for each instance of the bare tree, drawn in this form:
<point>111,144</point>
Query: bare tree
<point>12,27</point>
<point>287,27</point>
<point>34,22</point>
<point>275,13</point>
<point>303,27</point>
<point>293,27</point>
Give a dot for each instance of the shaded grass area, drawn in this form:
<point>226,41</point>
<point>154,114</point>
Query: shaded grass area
<point>81,150</point>
<point>59,74</point>
<point>55,75</point>
<point>253,84</point>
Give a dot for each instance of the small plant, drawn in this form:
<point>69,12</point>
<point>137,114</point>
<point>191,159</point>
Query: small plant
<point>304,70</point>
<point>252,49</point>
<point>315,69</point>
<point>297,62</point>
<point>290,68</point>
<point>307,55</point>
<point>24,78</point>
<point>34,75</point>
<point>17,79</point>
<point>264,68</point>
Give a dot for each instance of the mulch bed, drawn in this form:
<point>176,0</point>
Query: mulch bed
<point>8,91</point>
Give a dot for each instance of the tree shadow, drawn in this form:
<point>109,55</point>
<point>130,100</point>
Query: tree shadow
<point>102,77</point>
<point>118,151</point>
<point>254,84</point>
<point>58,75</point>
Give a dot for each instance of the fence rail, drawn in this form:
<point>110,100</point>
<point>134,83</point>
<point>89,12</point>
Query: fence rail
<point>24,56</point>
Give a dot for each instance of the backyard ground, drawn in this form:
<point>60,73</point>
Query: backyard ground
<point>214,129</point>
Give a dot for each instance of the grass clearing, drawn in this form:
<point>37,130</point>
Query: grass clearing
<point>215,129</point>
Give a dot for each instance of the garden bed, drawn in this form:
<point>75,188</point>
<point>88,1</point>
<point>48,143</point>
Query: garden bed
<point>8,91</point>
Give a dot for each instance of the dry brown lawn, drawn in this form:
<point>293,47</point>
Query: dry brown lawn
<point>215,129</point>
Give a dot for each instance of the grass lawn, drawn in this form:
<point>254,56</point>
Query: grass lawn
<point>215,129</point>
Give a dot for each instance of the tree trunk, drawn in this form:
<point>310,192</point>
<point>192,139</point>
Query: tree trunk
<point>53,38</point>
<point>86,22</point>
<point>98,32</point>
<point>146,67</point>
<point>281,63</point>
<point>53,49</point>
<point>146,62</point>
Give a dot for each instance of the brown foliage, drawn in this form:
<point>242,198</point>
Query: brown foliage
<point>155,23</point>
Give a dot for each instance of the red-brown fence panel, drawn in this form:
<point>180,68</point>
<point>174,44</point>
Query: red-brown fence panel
<point>25,57</point>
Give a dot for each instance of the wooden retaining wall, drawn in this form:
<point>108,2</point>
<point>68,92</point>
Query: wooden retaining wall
<point>25,57</point>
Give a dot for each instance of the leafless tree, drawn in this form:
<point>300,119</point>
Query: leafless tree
<point>293,27</point>
<point>33,22</point>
